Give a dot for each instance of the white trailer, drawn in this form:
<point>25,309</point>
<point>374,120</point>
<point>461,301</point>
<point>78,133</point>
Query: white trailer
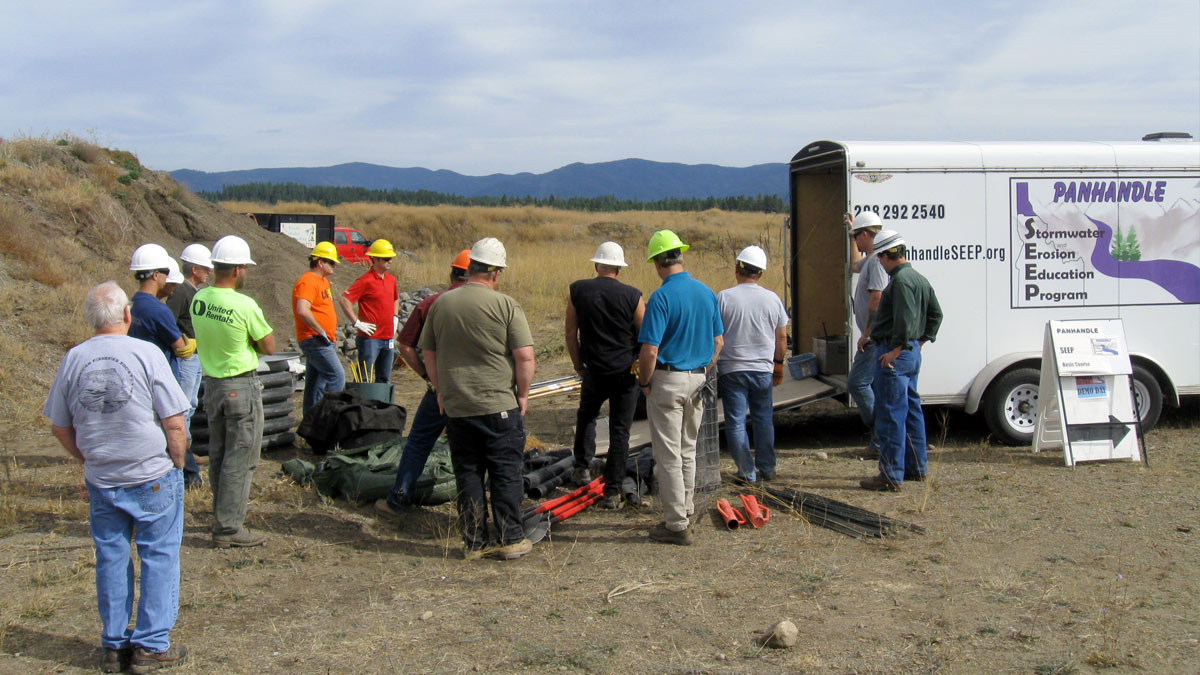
<point>1012,235</point>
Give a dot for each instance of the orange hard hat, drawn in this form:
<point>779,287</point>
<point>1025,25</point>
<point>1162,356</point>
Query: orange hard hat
<point>462,260</point>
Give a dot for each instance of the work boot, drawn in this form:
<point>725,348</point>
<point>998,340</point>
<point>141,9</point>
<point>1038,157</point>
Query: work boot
<point>581,476</point>
<point>116,660</point>
<point>661,533</point>
<point>470,554</point>
<point>766,476</point>
<point>878,483</point>
<point>242,539</point>
<point>145,661</point>
<point>512,551</point>
<point>744,482</point>
<point>610,503</point>
<point>383,508</point>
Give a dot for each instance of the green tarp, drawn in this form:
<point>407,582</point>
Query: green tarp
<point>367,473</point>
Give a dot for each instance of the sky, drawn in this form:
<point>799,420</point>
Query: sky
<point>506,87</point>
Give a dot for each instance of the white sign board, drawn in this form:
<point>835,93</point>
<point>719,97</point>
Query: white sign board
<point>305,233</point>
<point>1085,404</point>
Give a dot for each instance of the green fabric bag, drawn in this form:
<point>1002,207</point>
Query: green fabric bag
<point>368,473</point>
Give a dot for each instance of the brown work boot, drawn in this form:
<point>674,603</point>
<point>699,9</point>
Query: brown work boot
<point>879,484</point>
<point>610,503</point>
<point>146,661</point>
<point>383,508</point>
<point>662,534</point>
<point>581,476</point>
<point>242,539</point>
<point>115,660</point>
<point>512,551</point>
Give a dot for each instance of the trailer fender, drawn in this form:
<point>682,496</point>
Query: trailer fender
<point>1169,393</point>
<point>985,377</point>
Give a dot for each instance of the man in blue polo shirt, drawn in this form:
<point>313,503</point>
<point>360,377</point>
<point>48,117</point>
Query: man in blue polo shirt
<point>681,337</point>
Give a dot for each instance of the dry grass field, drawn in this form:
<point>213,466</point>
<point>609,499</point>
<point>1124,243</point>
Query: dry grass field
<point>1025,566</point>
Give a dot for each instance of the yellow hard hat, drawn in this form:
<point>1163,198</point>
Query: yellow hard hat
<point>326,250</point>
<point>381,248</point>
<point>663,241</point>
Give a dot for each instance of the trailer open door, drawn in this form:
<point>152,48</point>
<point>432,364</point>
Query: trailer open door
<point>819,278</point>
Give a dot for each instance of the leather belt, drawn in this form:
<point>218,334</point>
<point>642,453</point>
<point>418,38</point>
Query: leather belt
<point>673,369</point>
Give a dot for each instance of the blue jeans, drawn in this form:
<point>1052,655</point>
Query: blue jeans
<point>741,391</point>
<point>859,383</point>
<point>899,420</point>
<point>376,355</point>
<point>189,381</point>
<point>322,371</point>
<point>428,423</point>
<point>155,511</point>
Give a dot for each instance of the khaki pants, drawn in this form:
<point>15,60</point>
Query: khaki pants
<point>674,408</point>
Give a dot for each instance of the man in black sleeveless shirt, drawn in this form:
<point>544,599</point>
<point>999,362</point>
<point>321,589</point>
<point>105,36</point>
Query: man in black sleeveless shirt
<point>602,324</point>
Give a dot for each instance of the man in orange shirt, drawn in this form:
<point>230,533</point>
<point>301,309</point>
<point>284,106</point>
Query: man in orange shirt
<point>316,325</point>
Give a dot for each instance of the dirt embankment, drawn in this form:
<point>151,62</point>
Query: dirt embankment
<point>71,214</point>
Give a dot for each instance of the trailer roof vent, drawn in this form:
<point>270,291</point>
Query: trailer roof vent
<point>1168,136</point>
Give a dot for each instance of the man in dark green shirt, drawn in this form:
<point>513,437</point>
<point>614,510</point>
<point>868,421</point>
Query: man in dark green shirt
<point>909,316</point>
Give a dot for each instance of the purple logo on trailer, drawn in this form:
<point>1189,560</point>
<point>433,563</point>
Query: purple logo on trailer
<point>1118,254</point>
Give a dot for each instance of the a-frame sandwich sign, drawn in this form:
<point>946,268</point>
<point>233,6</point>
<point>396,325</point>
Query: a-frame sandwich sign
<point>1085,401</point>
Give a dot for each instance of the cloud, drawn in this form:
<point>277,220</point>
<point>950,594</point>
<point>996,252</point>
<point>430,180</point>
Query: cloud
<point>529,86</point>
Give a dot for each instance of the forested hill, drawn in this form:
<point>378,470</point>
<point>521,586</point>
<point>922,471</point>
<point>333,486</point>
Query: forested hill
<point>626,179</point>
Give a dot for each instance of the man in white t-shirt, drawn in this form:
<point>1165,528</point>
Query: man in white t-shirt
<point>751,365</point>
<point>872,279</point>
<point>116,407</point>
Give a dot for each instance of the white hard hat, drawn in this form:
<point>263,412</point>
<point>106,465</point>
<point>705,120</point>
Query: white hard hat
<point>866,219</point>
<point>196,254</point>
<point>174,276</point>
<point>149,257</point>
<point>232,250</point>
<point>609,253</point>
<point>753,255</point>
<point>488,251</point>
<point>887,239</point>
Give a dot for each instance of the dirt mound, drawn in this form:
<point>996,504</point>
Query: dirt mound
<point>72,213</point>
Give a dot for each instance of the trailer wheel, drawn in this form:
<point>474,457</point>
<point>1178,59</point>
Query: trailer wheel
<point>1147,397</point>
<point>1011,406</point>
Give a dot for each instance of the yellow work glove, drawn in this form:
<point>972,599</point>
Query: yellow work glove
<point>777,375</point>
<point>188,348</point>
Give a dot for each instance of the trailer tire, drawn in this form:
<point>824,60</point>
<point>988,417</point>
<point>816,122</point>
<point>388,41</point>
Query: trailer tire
<point>1011,406</point>
<point>1147,396</point>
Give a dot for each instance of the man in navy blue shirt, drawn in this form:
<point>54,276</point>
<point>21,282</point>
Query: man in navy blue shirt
<point>681,336</point>
<point>154,322</point>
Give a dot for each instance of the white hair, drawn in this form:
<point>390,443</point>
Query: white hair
<point>105,305</point>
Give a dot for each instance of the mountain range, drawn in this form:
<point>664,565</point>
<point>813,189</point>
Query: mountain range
<point>635,179</point>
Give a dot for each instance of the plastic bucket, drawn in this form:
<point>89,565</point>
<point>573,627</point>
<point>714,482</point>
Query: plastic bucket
<point>374,391</point>
<point>802,366</point>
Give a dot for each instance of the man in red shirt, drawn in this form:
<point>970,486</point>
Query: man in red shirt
<point>316,325</point>
<point>378,302</point>
<point>429,421</point>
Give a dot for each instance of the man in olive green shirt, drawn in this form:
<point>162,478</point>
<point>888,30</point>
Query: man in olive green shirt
<point>909,316</point>
<point>233,332</point>
<point>479,356</point>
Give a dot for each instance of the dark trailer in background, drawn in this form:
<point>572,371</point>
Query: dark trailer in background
<point>306,228</point>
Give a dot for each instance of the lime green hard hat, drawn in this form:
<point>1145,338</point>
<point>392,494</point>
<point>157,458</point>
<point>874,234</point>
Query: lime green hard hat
<point>663,241</point>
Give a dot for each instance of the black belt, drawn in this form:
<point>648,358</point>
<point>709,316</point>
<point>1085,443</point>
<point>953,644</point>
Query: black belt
<point>673,369</point>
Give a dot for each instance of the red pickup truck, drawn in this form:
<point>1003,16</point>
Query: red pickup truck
<point>351,244</point>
